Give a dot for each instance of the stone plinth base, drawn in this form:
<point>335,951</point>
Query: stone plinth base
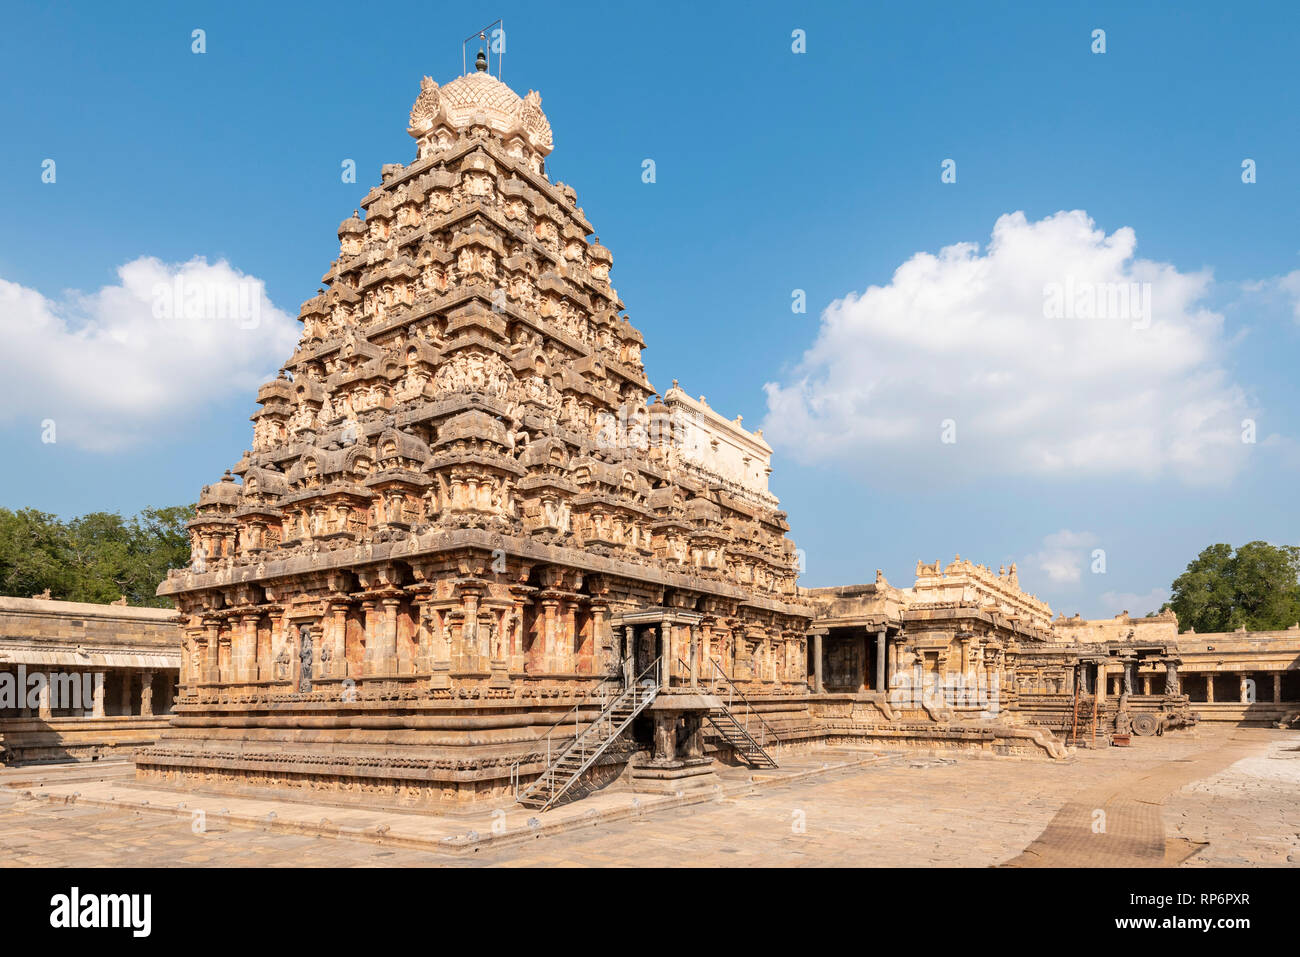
<point>687,774</point>
<point>56,740</point>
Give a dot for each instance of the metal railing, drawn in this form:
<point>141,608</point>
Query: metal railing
<point>584,701</point>
<point>732,693</point>
<point>589,743</point>
<point>764,729</point>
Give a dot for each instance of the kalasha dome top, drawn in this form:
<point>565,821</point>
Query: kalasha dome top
<point>478,99</point>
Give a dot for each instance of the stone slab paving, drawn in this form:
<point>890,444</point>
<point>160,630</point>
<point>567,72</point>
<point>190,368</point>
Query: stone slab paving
<point>1220,795</point>
<point>1246,814</point>
<point>1118,820</point>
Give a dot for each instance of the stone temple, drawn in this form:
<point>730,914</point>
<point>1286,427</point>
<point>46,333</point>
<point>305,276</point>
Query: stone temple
<point>461,516</point>
<point>474,555</point>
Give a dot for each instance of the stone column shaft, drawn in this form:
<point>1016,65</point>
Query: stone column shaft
<point>44,705</point>
<point>817,663</point>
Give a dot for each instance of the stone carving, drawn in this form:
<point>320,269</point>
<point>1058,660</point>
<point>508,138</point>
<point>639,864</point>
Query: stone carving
<point>282,661</point>
<point>427,106</point>
<point>304,659</point>
<point>534,120</point>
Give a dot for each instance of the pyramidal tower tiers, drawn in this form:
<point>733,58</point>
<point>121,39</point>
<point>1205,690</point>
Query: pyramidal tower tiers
<point>466,510</point>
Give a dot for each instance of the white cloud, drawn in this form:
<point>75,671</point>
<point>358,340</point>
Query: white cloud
<point>136,359</point>
<point>1114,602</point>
<point>1062,556</point>
<point>1287,288</point>
<point>999,342</point>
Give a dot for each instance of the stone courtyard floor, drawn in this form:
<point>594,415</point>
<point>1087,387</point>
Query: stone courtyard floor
<point>1215,796</point>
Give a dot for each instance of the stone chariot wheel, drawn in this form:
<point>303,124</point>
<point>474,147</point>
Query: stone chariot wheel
<point>1146,724</point>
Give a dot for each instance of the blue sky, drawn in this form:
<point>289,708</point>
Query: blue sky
<point>775,171</point>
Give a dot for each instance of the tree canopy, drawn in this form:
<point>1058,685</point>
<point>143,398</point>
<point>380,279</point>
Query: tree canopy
<point>1257,586</point>
<point>98,557</point>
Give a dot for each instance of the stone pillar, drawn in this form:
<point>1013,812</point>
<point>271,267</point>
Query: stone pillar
<point>338,631</point>
<point>1102,681</point>
<point>1277,687</point>
<point>435,624</point>
<point>126,691</point>
<point>602,638</point>
<point>665,658</point>
<point>818,688</point>
<point>629,654</point>
<point>370,630</point>
<point>1244,689</point>
<point>97,706</point>
<point>44,709</point>
<point>694,744</point>
<point>694,633</point>
<point>212,653</point>
<point>388,634</point>
<point>470,657</point>
<point>548,633</point>
<point>1146,684</point>
<point>1209,686</point>
<point>568,661</point>
<point>1171,678</point>
<point>146,693</point>
<point>881,642</point>
<point>672,648</point>
<point>246,670</point>
<point>891,654</point>
<point>665,736</point>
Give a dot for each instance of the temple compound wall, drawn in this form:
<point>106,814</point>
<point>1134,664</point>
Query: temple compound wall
<point>966,643</point>
<point>80,682</point>
<point>937,662</point>
<point>1244,677</point>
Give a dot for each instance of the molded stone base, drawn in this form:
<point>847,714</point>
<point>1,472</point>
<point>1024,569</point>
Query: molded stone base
<point>684,775</point>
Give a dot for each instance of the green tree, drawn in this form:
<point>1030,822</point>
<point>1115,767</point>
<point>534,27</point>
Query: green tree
<point>1258,587</point>
<point>160,541</point>
<point>33,553</point>
<point>97,557</point>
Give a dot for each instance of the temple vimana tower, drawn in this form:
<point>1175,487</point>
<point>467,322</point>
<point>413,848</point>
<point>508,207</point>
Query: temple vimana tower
<point>467,514</point>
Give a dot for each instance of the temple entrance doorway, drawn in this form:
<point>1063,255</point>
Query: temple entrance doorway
<point>649,647</point>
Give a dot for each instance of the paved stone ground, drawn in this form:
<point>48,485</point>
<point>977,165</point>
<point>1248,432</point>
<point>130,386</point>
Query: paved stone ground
<point>1248,813</point>
<point>1212,797</point>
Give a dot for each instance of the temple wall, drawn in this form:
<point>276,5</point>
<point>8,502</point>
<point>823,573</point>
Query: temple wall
<point>81,682</point>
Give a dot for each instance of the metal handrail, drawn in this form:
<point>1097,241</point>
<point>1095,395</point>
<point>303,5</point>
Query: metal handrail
<point>749,708</point>
<point>584,700</point>
<point>635,689</point>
